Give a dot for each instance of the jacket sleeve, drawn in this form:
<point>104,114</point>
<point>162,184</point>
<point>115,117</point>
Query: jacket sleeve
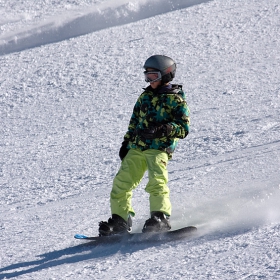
<point>181,120</point>
<point>133,121</point>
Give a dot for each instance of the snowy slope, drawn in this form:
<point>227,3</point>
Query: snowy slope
<point>65,103</point>
<point>80,21</point>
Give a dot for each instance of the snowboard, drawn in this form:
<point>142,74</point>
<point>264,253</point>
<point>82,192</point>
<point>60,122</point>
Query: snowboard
<point>181,233</point>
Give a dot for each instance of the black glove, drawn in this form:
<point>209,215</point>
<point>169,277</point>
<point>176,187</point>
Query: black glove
<point>156,131</point>
<point>123,150</point>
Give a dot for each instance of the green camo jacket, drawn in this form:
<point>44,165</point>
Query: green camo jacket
<point>166,105</point>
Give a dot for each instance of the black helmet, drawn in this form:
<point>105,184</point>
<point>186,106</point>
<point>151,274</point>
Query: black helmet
<point>164,64</point>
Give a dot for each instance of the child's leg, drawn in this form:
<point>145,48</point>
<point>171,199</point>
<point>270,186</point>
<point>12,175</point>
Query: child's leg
<point>158,178</point>
<point>129,176</point>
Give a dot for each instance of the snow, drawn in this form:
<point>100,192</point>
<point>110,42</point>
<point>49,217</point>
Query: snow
<point>71,72</point>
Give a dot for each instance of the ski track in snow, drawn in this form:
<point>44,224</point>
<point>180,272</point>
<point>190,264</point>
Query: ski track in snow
<point>65,106</point>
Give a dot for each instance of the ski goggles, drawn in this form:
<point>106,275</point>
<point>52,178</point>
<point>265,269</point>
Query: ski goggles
<point>152,76</point>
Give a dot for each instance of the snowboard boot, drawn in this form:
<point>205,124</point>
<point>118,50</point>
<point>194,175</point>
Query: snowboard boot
<point>115,225</point>
<point>158,222</point>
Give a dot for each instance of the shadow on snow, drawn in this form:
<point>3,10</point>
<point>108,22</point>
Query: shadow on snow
<point>82,252</point>
<point>96,250</point>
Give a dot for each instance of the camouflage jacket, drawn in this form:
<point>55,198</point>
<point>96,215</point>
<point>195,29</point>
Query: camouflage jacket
<point>166,105</point>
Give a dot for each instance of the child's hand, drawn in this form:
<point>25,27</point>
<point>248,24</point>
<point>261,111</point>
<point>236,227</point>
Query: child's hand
<point>123,150</point>
<point>156,131</point>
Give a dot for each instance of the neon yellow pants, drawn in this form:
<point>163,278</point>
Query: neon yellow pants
<point>131,172</point>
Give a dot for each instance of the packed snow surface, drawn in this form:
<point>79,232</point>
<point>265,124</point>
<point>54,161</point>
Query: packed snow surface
<point>71,72</point>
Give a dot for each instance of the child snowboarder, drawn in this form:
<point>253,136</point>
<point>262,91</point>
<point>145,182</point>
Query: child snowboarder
<point>160,118</point>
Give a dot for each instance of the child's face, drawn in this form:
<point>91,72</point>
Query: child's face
<point>155,84</point>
